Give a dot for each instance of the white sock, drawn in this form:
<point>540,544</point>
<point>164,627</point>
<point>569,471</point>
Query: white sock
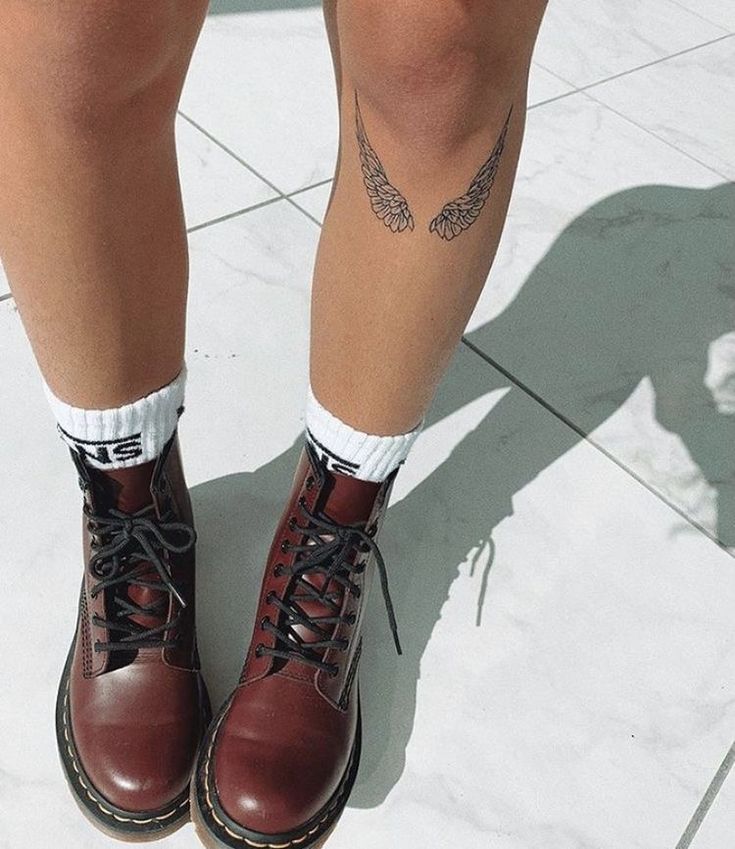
<point>352,452</point>
<point>122,436</point>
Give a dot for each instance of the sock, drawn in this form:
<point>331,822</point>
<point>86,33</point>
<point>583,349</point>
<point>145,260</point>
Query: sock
<point>124,436</point>
<point>352,452</point>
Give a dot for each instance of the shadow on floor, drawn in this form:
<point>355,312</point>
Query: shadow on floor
<point>228,7</point>
<point>639,285</point>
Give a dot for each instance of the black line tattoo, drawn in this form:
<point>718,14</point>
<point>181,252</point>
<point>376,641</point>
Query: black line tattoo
<point>387,202</point>
<point>462,212</point>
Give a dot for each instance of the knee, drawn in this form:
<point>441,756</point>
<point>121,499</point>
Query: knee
<point>89,66</point>
<point>432,70</point>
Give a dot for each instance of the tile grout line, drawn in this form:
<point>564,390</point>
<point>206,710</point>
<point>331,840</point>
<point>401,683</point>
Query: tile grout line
<point>303,211</point>
<point>585,90</point>
<point>701,17</point>
<point>642,67</point>
<point>586,437</point>
<point>234,214</point>
<point>309,188</point>
<point>277,199</point>
<point>656,136</point>
<point>232,153</point>
<point>709,797</point>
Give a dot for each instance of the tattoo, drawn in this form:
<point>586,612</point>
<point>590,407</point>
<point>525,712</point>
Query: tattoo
<point>387,202</point>
<point>462,212</point>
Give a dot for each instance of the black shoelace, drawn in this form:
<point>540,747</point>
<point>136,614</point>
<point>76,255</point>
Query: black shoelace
<point>327,551</point>
<point>120,541</point>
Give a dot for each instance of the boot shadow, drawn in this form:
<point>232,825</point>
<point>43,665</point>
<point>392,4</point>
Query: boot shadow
<point>637,287</point>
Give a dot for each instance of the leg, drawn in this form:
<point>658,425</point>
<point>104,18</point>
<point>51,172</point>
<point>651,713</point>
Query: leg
<point>436,82</point>
<point>91,226</point>
<point>93,238</point>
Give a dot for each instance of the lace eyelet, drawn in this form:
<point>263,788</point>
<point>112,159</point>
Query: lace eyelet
<point>352,618</point>
<point>284,546</point>
<point>263,622</point>
<point>302,501</point>
<point>269,598</point>
<point>278,570</point>
<point>310,482</point>
<point>345,645</point>
<point>371,530</point>
<point>292,524</point>
<point>333,670</point>
<point>259,650</point>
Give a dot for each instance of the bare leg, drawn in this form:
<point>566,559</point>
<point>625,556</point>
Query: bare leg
<point>91,226</point>
<point>436,83</point>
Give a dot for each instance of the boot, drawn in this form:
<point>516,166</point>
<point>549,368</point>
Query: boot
<point>132,705</point>
<point>281,757</point>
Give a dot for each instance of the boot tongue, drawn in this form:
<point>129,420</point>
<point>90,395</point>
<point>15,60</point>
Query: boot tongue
<point>129,490</point>
<point>346,501</point>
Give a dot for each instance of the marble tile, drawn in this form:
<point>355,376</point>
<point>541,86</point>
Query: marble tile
<point>717,829</point>
<point>315,200</point>
<point>263,85</point>
<point>568,640</point>
<point>681,101</point>
<point>587,42</point>
<point>213,183</point>
<point>543,85</point>
<point>549,707</point>
<point>721,12</point>
<point>612,285</point>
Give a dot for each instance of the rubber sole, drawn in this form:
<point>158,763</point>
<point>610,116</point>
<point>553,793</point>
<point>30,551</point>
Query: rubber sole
<point>216,831</point>
<point>127,826</point>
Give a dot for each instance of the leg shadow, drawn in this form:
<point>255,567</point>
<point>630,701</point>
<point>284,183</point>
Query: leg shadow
<point>632,289</point>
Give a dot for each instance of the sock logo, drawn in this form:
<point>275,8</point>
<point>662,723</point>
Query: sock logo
<point>333,461</point>
<point>104,452</point>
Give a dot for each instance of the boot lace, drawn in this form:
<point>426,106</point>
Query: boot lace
<point>327,551</point>
<point>124,547</point>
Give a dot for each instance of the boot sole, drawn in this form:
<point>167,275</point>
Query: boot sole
<point>127,826</point>
<point>217,831</point>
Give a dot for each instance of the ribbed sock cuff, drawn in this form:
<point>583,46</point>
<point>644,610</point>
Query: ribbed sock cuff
<point>352,452</point>
<point>124,436</point>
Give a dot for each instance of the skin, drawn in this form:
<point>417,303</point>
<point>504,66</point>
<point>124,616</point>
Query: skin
<point>388,309</point>
<point>92,232</point>
<point>91,224</point>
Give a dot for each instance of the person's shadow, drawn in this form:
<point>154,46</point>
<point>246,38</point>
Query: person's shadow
<point>638,286</point>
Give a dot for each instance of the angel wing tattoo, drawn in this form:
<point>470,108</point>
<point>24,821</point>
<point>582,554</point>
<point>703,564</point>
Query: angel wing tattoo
<point>387,202</point>
<point>462,212</point>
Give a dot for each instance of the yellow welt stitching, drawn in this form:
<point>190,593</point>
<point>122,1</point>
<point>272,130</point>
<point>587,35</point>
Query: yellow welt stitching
<point>72,755</point>
<point>210,806</point>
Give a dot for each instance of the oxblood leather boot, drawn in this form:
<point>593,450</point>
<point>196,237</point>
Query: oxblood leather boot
<point>281,757</point>
<point>132,705</point>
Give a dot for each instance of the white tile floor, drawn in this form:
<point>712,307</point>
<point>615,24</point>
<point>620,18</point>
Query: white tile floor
<point>566,609</point>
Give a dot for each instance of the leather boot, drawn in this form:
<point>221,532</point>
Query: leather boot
<point>281,757</point>
<point>132,705</point>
